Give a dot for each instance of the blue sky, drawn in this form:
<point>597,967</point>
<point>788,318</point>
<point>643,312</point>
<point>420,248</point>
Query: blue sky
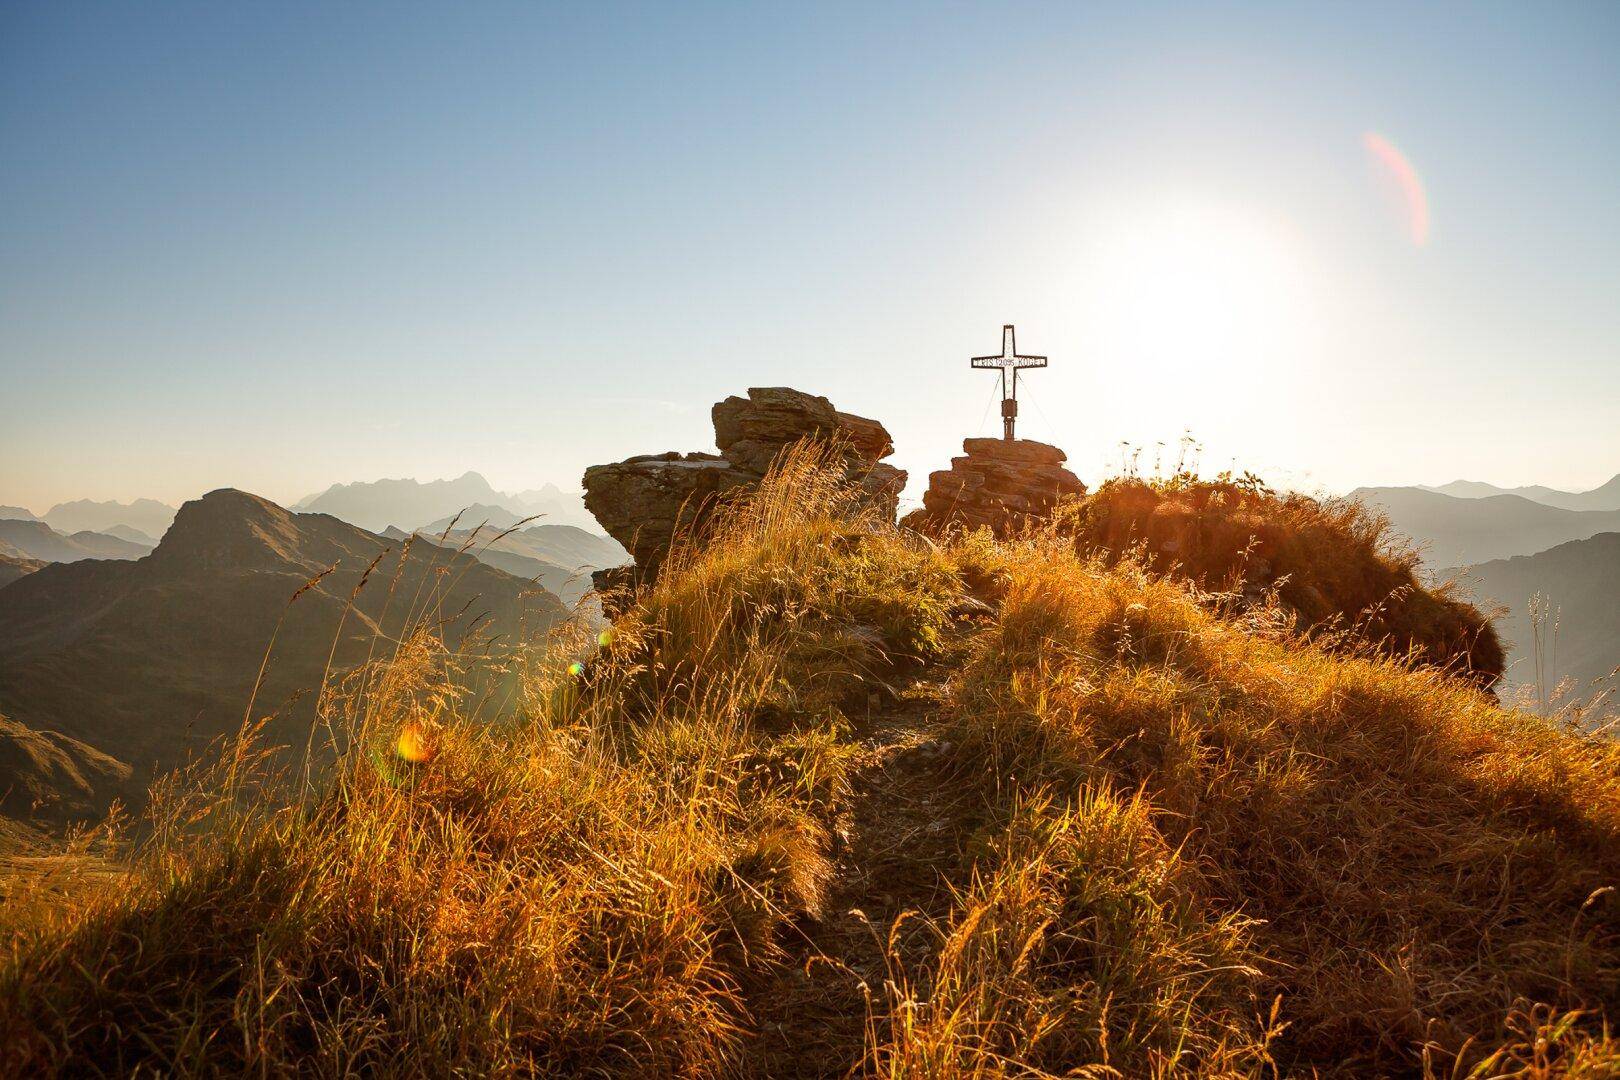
<point>275,247</point>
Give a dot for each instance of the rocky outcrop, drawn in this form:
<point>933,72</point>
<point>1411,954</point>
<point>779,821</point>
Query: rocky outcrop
<point>1000,483</point>
<point>751,431</point>
<point>642,500</point>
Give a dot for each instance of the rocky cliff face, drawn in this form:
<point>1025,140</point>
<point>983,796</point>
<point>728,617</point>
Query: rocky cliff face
<point>642,500</point>
<point>999,483</point>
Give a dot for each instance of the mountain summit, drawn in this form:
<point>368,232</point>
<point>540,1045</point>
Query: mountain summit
<point>148,660</point>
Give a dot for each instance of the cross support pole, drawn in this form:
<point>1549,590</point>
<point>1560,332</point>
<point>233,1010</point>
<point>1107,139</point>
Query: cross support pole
<point>1009,360</point>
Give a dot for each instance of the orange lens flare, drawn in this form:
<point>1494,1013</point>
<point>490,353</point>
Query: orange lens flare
<point>414,744</point>
<point>1394,164</point>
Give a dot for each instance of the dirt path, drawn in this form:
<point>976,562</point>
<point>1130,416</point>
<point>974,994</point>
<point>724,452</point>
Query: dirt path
<point>901,837</point>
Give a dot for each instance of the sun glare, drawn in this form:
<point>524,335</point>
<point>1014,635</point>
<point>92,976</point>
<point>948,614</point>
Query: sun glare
<point>1202,300</point>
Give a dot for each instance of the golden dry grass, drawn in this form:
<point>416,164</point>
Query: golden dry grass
<point>1422,867</point>
<point>1331,563</point>
<point>1185,842</point>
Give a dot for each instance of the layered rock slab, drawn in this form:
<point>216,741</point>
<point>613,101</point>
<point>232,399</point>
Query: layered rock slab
<point>641,501</point>
<point>999,483</point>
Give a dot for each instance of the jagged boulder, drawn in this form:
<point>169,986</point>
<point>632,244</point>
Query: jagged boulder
<point>1000,483</point>
<point>751,431</point>
<point>643,500</point>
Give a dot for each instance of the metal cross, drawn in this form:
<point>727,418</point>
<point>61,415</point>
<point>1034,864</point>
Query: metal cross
<point>1009,360</point>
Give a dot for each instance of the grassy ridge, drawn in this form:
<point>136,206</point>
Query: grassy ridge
<point>1332,564</point>
<point>1186,842</point>
<point>1417,870</point>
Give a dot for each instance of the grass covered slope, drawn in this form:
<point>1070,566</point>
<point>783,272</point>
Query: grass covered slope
<point>834,798</point>
<point>1332,564</point>
<point>1207,820</point>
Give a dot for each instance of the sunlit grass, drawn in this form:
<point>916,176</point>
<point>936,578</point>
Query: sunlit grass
<point>1188,842</point>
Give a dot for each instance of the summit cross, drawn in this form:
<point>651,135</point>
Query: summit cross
<point>1009,360</point>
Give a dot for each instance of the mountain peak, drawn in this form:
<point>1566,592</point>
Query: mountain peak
<point>231,526</point>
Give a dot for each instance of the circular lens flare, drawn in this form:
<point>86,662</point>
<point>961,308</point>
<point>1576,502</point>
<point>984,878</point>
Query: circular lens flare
<point>576,669</point>
<point>414,744</point>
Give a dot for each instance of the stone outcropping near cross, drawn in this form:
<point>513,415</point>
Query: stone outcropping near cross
<point>642,500</point>
<point>1000,483</point>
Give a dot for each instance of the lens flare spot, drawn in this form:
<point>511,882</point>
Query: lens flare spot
<point>576,669</point>
<point>1395,167</point>
<point>414,744</point>
<point>605,638</point>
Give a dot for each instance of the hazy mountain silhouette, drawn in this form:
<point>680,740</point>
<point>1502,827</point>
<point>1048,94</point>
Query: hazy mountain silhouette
<point>567,584</point>
<point>561,557</point>
<point>37,540</point>
<point>149,660</point>
<point>567,545</point>
<point>1581,580</point>
<point>1606,497</point>
<point>148,515</point>
<point>556,506</point>
<point>493,517</point>
<point>419,506</point>
<point>1456,531</point>
<point>133,535</point>
<point>377,504</point>
<point>16,513</point>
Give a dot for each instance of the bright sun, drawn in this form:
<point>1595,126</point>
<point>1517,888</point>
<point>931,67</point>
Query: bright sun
<point>1200,307</point>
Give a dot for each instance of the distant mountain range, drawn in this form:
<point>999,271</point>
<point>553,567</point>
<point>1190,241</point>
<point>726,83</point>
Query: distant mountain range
<point>560,560</point>
<point>1580,581</point>
<point>1606,497</point>
<point>1509,544</point>
<point>1453,531</point>
<point>146,661</point>
<point>555,506</point>
<point>493,517</point>
<point>146,515</point>
<point>411,505</point>
<point>560,557</point>
<point>414,505</point>
<point>133,535</point>
<point>37,540</point>
<point>377,504</point>
<point>567,546</point>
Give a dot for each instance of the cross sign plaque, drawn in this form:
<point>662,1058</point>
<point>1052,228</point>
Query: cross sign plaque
<point>1009,360</point>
